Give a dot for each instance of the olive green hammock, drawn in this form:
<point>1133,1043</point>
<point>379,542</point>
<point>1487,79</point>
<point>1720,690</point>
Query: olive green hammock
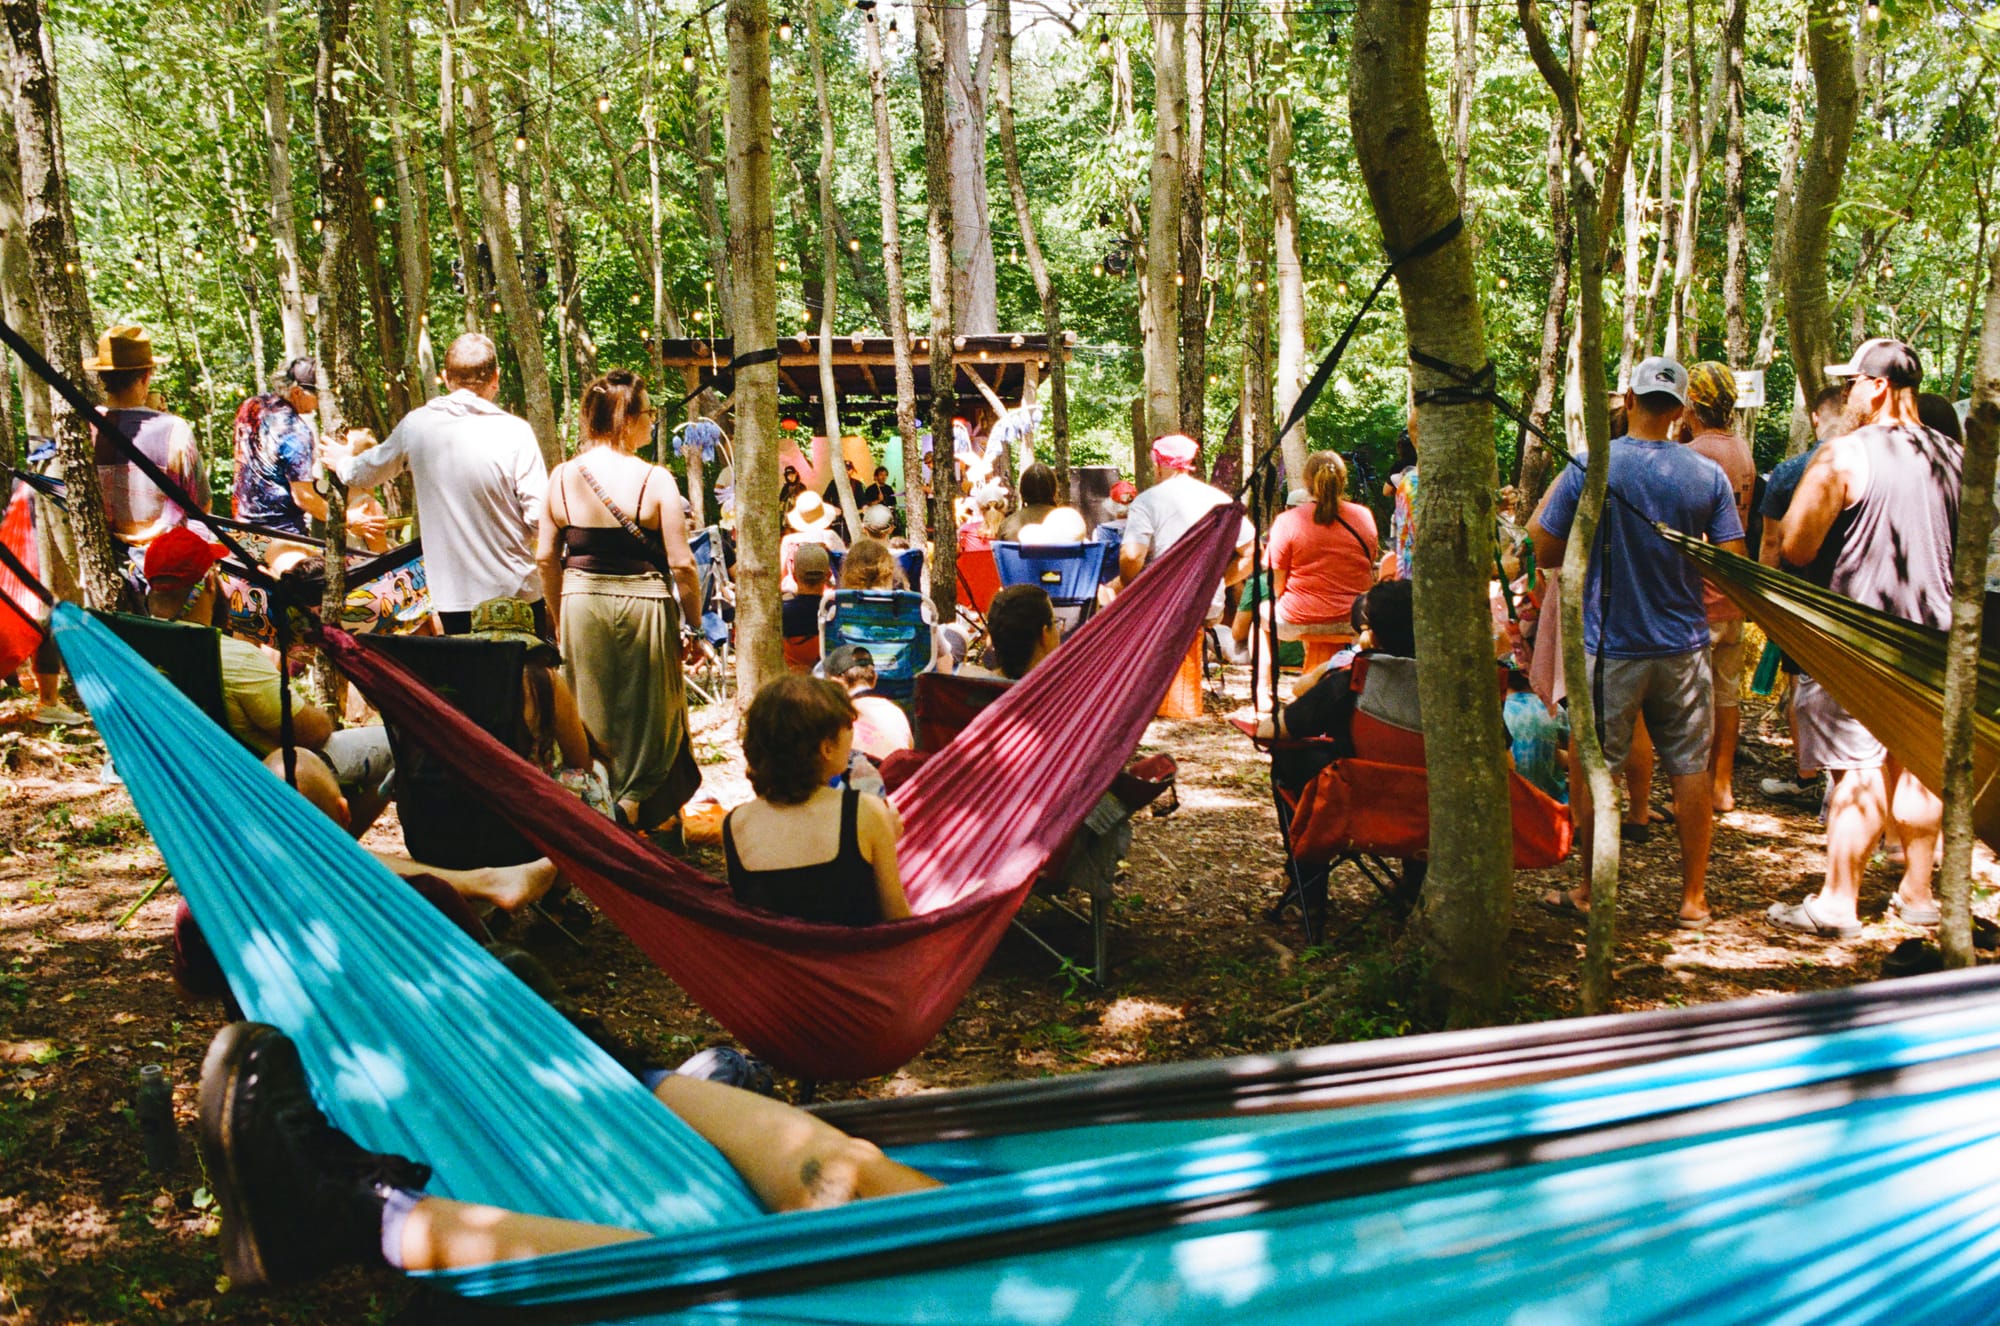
<point>1887,672</point>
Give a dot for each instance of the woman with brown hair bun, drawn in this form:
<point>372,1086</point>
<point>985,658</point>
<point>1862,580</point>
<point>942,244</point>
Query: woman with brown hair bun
<point>614,557</point>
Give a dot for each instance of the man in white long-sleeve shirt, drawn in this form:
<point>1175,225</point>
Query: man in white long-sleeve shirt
<point>480,482</point>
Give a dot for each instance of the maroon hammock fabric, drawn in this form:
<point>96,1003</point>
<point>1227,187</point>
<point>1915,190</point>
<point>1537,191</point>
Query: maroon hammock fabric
<point>829,1002</point>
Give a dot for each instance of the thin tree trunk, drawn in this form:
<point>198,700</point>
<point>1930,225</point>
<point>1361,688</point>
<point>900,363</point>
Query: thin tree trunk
<point>705,200</point>
<point>1961,677</point>
<point>1163,234</point>
<point>1808,314</point>
<point>19,300</point>
<point>1633,251</point>
<point>57,267</point>
<point>830,262</point>
<point>1464,90</point>
<point>916,523</point>
<point>975,301</point>
<point>1535,459</point>
<point>1972,296</point>
<point>1468,896</point>
<point>1191,267</point>
<point>932,72</point>
<point>1601,935</point>
<point>284,208</point>
<point>366,251</point>
<point>340,297</point>
<point>1663,250</point>
<point>753,260</point>
<point>1735,191</point>
<point>413,199</point>
<point>1038,265</point>
<point>1285,269</point>
<point>473,315</point>
<point>524,327</point>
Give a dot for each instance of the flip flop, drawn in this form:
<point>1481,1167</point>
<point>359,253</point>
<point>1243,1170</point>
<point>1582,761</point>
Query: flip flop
<point>1801,917</point>
<point>1697,923</point>
<point>1559,902</point>
<point>1910,914</point>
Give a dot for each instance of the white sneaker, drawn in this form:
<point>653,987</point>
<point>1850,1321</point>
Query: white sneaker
<point>1790,789</point>
<point>59,715</point>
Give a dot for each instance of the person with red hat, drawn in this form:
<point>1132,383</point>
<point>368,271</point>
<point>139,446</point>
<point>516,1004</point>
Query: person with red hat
<point>1160,515</point>
<point>181,586</point>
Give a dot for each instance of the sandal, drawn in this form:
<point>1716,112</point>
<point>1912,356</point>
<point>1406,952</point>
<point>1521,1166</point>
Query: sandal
<point>1559,902</point>
<point>1802,918</point>
<point>1701,922</point>
<point>1912,914</point>
<point>1635,833</point>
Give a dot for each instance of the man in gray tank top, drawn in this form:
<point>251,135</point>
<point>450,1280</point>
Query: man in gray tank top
<point>1875,518</point>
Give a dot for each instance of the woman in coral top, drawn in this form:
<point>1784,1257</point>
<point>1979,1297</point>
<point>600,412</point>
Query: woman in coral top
<point>1322,556</point>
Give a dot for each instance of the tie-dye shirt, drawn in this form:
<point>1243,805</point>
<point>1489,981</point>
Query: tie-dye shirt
<point>274,450</point>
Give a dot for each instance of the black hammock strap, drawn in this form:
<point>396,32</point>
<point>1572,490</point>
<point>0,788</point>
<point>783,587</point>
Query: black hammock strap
<point>768,355</point>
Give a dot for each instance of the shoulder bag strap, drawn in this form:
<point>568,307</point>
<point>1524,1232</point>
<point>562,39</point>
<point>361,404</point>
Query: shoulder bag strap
<point>631,526</point>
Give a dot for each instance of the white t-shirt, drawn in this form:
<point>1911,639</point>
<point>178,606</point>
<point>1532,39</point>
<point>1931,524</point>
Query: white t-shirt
<point>1169,509</point>
<point>480,483</point>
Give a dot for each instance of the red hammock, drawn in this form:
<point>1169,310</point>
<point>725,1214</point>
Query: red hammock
<point>844,1002</point>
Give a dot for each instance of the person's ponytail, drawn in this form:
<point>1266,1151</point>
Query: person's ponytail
<point>1326,484</point>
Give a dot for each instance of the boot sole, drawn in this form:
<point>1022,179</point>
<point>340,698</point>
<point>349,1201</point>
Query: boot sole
<point>227,1061</point>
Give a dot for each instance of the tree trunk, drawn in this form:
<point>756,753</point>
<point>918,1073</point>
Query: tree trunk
<point>916,524</point>
<point>340,297</point>
<point>57,266</point>
<point>1808,313</point>
<point>1031,243</point>
<point>830,262</point>
<point>1735,191</point>
<point>19,300</point>
<point>1285,268</point>
<point>1464,91</point>
<point>470,286</point>
<point>1467,901</point>
<point>753,260</point>
<point>284,207</point>
<point>523,325</point>
<point>413,200</point>
<point>975,302</point>
<point>1191,267</point>
<point>1663,252</point>
<point>1163,234</point>
<point>1586,207</point>
<point>929,17</point>
<point>1534,457</point>
<point>1971,298</point>
<point>1961,677</point>
<point>705,200</point>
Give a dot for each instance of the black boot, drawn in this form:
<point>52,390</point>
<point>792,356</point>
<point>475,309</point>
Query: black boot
<point>298,1196</point>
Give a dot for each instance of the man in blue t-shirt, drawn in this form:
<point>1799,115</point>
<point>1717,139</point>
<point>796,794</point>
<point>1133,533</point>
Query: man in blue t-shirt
<point>1644,625</point>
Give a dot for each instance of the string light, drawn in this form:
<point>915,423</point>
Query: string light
<point>1097,269</point>
<point>1179,280</point>
<point>708,286</point>
<point>69,268</point>
<point>1590,33</point>
<point>496,306</point>
<point>635,299</point>
<point>1501,282</point>
<point>892,25</point>
<point>1872,11</point>
<point>199,256</point>
<point>785,29</point>
<point>318,223</point>
<point>854,246</point>
<point>1104,47</point>
<point>1260,287</point>
<point>380,202</point>
<point>697,315</point>
<point>604,103</point>
<point>687,59</point>
<point>1341,288</point>
<point>784,266</point>
<point>521,134</point>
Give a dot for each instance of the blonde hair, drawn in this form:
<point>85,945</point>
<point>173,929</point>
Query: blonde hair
<point>1326,481</point>
<point>869,565</point>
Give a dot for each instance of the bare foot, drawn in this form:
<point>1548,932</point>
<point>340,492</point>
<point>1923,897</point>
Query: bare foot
<point>1724,802</point>
<point>1694,919</point>
<point>513,887</point>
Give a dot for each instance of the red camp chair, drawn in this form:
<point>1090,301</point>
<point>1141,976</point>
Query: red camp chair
<point>978,582</point>
<point>945,705</point>
<point>1371,810</point>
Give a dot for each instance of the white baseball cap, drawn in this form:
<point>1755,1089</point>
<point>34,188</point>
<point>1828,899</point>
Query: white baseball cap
<point>1660,374</point>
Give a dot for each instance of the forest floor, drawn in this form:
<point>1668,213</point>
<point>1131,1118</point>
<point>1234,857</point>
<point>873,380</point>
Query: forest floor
<point>89,1235</point>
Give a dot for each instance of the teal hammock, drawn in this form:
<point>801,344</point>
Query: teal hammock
<point>1844,1173</point>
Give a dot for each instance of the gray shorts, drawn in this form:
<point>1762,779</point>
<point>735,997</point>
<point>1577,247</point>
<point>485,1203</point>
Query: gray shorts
<point>1672,691</point>
<point>1829,736</point>
<point>359,758</point>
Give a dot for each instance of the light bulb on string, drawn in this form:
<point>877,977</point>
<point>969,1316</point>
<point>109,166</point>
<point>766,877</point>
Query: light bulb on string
<point>199,256</point>
<point>854,246</point>
<point>1261,287</point>
<point>604,103</point>
<point>784,29</point>
<point>635,299</point>
<point>1342,289</point>
<point>687,59</point>
<point>1501,282</point>
<point>784,266</point>
<point>1872,11</point>
<point>496,306</point>
<point>1104,47</point>
<point>1590,33</point>
<point>318,222</point>
<point>521,134</point>
<point>893,29</point>
<point>1179,280</point>
<point>380,202</point>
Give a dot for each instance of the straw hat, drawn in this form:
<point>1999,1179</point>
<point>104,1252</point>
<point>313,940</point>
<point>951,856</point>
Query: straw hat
<point>124,347</point>
<point>809,513</point>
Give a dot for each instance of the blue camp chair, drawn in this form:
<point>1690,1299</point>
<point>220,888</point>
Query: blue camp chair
<point>1112,535</point>
<point>910,561</point>
<point>1070,572</point>
<point>711,680</point>
<point>893,625</point>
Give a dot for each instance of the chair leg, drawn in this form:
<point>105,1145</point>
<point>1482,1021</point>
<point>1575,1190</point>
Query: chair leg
<point>1100,947</point>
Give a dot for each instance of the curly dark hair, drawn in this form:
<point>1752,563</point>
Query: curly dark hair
<point>787,721</point>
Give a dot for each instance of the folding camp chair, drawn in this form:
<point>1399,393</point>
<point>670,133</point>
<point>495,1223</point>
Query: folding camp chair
<point>910,561</point>
<point>894,625</point>
<point>1070,572</point>
<point>446,823</point>
<point>978,582</point>
<point>187,655</point>
<point>1089,860</point>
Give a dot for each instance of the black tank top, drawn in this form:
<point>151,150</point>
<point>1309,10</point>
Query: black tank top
<point>610,550</point>
<point>836,892</point>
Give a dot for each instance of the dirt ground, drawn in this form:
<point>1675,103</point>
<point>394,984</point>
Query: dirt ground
<point>89,1235</point>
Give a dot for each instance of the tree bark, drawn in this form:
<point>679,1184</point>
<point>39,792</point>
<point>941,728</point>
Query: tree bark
<point>413,200</point>
<point>1163,234</point>
<point>1038,265</point>
<point>1735,191</point>
<point>1285,269</point>
<point>1663,251</point>
<point>1191,267</point>
<point>1464,91</point>
<point>57,267</point>
<point>19,299</point>
<point>830,263</point>
<point>340,298</point>
<point>975,302</point>
<point>1961,676</point>
<point>1467,900</point>
<point>929,17</point>
<point>916,523</point>
<point>471,288</point>
<point>1601,936</point>
<point>523,325</point>
<point>1808,313</point>
<point>1535,459</point>
<point>284,209</point>
<point>753,260</point>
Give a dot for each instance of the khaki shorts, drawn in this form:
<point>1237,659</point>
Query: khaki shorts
<point>1672,691</point>
<point>1829,736</point>
<point>1725,662</point>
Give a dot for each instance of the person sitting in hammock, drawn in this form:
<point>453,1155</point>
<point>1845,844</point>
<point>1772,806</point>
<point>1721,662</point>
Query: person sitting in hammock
<point>804,848</point>
<point>300,1198</point>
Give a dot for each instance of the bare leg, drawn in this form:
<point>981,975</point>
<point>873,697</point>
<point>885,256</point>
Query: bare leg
<point>1855,815</point>
<point>1722,758</point>
<point>1917,816</point>
<point>1639,775</point>
<point>507,887</point>
<point>48,687</point>
<point>1695,820</point>
<point>441,1235</point>
<point>1792,719</point>
<point>1586,825</point>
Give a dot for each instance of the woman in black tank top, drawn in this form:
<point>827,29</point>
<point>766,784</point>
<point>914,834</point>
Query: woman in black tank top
<point>804,848</point>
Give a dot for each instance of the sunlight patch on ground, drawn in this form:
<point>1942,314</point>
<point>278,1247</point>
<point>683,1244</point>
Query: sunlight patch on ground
<point>1130,1014</point>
